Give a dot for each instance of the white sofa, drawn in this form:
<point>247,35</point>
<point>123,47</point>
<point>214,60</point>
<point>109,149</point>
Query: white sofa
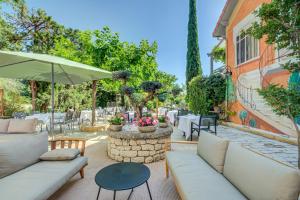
<point>23,176</point>
<point>224,170</point>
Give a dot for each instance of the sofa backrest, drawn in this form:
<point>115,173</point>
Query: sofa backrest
<point>259,177</point>
<point>213,150</point>
<point>18,125</point>
<point>18,151</point>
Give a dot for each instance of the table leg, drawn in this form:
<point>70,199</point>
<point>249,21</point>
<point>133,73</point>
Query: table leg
<point>149,190</point>
<point>98,193</point>
<point>114,194</point>
<point>130,194</point>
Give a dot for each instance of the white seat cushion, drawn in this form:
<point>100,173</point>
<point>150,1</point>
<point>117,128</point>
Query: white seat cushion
<point>260,178</point>
<point>60,154</point>
<point>213,150</point>
<point>196,180</point>
<point>39,181</point>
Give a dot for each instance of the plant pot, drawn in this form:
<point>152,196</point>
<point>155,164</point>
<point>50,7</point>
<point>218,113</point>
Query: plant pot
<point>147,129</point>
<point>163,125</point>
<point>116,128</point>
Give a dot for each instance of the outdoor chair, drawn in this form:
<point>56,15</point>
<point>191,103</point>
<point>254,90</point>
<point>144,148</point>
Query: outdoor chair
<point>204,120</point>
<point>19,115</point>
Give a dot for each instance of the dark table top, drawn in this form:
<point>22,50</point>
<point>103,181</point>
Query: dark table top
<point>122,176</point>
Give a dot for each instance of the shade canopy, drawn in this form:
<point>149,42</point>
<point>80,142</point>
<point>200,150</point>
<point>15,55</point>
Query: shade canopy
<point>32,66</point>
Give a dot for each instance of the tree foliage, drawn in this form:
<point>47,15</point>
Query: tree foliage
<point>193,65</point>
<point>216,89</point>
<point>35,31</point>
<point>218,54</point>
<point>198,101</point>
<point>280,23</point>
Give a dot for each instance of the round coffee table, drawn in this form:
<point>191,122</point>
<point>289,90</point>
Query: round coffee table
<point>123,176</point>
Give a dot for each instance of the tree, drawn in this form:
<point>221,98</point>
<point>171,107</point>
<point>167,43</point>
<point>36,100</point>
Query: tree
<point>215,86</point>
<point>33,31</point>
<point>198,102</point>
<point>280,23</point>
<point>218,54</point>
<point>193,65</point>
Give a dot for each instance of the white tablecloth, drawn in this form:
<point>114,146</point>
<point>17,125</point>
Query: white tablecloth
<point>131,115</point>
<point>172,114</point>
<point>45,117</point>
<point>86,115</point>
<point>184,124</point>
<point>162,111</point>
<point>42,117</point>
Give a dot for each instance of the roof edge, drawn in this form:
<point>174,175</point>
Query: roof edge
<point>220,29</point>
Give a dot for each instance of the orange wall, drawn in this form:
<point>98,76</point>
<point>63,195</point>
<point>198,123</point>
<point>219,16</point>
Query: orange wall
<point>242,10</point>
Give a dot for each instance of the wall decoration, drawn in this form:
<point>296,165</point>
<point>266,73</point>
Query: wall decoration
<point>243,115</point>
<point>252,123</point>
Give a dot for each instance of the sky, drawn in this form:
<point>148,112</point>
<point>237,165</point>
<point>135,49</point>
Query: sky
<point>164,21</point>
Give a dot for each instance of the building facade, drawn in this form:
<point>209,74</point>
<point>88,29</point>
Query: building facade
<point>253,64</point>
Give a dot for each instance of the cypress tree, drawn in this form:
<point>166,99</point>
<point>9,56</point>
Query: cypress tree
<point>193,65</point>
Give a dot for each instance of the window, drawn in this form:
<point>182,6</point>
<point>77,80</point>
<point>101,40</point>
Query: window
<point>246,48</point>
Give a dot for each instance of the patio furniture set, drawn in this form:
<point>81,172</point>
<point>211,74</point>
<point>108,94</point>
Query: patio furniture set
<point>189,123</point>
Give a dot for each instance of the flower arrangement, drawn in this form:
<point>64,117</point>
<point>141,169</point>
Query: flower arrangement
<point>116,122</point>
<point>146,124</point>
<point>163,121</point>
<point>146,121</point>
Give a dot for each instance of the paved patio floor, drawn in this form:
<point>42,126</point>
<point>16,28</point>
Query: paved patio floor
<point>277,150</point>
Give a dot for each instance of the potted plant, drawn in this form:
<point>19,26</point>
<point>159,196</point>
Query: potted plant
<point>116,123</point>
<point>146,124</point>
<point>163,121</point>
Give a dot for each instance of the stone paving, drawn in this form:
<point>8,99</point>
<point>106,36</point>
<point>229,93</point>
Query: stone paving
<point>277,150</point>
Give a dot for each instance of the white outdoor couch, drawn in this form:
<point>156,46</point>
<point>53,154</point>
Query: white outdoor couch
<point>224,170</point>
<point>23,176</point>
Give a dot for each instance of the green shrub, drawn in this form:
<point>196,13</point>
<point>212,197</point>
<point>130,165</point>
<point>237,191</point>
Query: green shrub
<point>216,89</point>
<point>198,102</point>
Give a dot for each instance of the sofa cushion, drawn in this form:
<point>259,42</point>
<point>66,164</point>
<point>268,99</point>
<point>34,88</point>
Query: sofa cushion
<point>213,150</point>
<point>60,154</point>
<point>40,180</point>
<point>18,151</point>
<point>4,123</point>
<point>196,180</point>
<point>259,177</point>
<point>22,126</point>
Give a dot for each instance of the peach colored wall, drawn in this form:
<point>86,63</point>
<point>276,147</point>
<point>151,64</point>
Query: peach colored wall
<point>242,10</point>
<point>237,107</point>
<point>279,78</point>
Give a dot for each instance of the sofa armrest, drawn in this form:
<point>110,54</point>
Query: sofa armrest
<point>168,144</point>
<point>78,143</point>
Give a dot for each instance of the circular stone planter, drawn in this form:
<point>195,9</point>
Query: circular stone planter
<point>114,127</point>
<point>134,146</point>
<point>147,129</point>
<point>163,125</point>
<point>91,129</point>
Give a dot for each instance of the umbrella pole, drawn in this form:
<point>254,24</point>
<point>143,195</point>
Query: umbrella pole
<point>52,101</point>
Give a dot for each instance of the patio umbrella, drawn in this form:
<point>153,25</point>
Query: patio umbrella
<point>43,67</point>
